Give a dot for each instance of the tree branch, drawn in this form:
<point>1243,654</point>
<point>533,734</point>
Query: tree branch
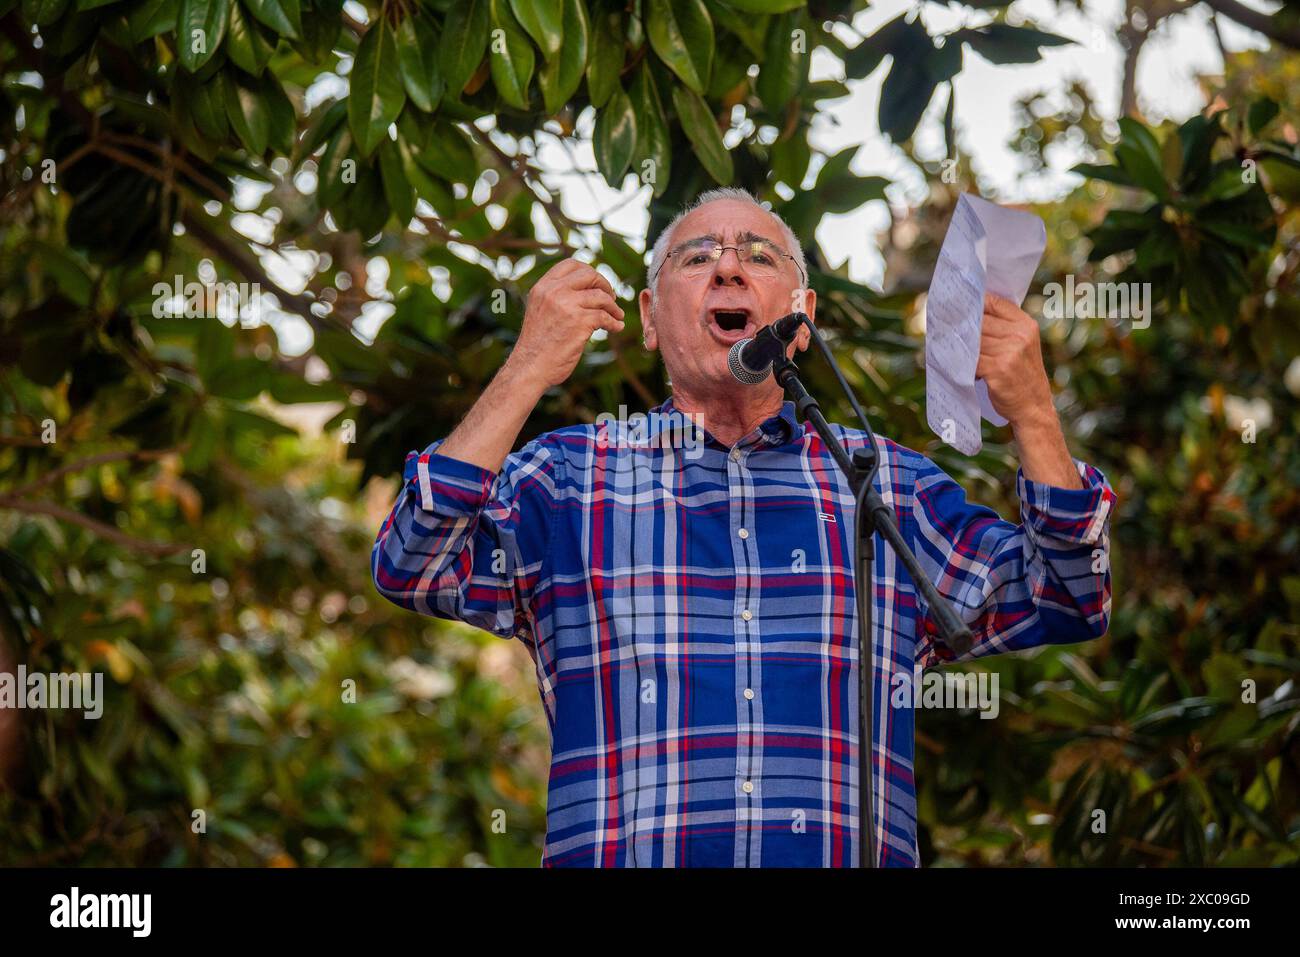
<point>82,464</point>
<point>248,264</point>
<point>1264,23</point>
<point>103,530</point>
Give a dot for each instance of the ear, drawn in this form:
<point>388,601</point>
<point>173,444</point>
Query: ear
<point>649,334</point>
<point>803,338</point>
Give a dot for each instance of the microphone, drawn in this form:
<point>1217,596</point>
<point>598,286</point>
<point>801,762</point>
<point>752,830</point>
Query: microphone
<point>750,360</point>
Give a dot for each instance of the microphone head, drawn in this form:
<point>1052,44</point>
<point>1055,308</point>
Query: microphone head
<point>742,372</point>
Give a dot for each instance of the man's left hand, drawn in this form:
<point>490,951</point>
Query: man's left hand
<point>1011,365</point>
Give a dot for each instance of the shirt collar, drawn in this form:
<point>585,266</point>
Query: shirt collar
<point>777,430</point>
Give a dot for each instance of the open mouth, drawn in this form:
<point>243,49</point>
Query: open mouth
<point>730,324</point>
<point>729,320</point>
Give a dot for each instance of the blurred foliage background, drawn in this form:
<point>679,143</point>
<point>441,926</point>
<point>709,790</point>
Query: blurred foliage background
<point>189,498</point>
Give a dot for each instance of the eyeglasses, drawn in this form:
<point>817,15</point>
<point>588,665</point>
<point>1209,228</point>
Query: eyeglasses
<point>760,258</point>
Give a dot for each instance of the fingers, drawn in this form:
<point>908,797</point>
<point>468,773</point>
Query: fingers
<point>600,319</point>
<point>998,306</point>
<point>599,299</point>
<point>995,327</point>
<point>579,275</point>
<point>597,281</point>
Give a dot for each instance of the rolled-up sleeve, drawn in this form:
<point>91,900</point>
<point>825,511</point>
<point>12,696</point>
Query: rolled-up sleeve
<point>1044,581</point>
<point>463,543</point>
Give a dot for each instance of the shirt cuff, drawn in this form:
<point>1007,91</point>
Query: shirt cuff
<point>1073,515</point>
<point>447,486</point>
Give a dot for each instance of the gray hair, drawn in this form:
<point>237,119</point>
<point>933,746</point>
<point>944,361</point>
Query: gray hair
<point>663,243</point>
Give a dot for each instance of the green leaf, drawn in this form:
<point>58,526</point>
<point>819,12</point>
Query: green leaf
<point>840,191</point>
<point>207,104</point>
<point>862,60</point>
<point>377,94</point>
<point>607,57</point>
<point>622,258</point>
<point>464,38</point>
<point>43,12</point>
<point>1197,137</point>
<point>322,127</point>
<point>653,138</point>
<point>249,114</point>
<point>614,138</point>
<point>1139,155</point>
<point>417,48</point>
<point>790,158</point>
<point>784,68</point>
<point>401,200</point>
<point>1002,43</point>
<point>561,76</point>
<point>150,18</point>
<point>730,70</point>
<point>1261,114</point>
<point>288,389</point>
<point>702,130</point>
<point>200,28</point>
<point>681,34</point>
<point>766,6</point>
<point>282,119</point>
<point>282,16</point>
<point>250,44</point>
<point>1109,174</point>
<point>544,22</point>
<point>238,379</point>
<point>365,208</point>
<point>510,57</point>
<point>448,153</point>
<point>909,87</point>
<point>1238,234</point>
<point>331,183</point>
<point>428,187</point>
<point>750,29</point>
<point>320,32</point>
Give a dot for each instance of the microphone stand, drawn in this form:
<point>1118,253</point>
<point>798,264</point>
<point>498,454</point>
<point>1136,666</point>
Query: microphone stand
<point>871,515</point>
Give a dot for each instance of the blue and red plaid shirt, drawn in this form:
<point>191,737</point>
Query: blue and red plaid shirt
<point>690,613</point>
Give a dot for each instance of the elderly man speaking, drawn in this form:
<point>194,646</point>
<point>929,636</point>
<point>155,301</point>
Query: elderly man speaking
<point>691,612</point>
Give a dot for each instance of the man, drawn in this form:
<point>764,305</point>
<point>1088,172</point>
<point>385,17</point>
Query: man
<point>690,612</point>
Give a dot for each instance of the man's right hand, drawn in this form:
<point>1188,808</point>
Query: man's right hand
<point>564,308</point>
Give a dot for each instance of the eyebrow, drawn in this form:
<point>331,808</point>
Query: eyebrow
<point>746,236</point>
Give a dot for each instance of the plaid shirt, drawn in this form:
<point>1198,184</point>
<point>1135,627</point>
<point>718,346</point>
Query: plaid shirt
<point>690,613</point>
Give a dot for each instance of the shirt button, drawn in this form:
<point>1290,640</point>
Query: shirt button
<point>735,455</point>
<point>746,614</point>
<point>749,693</point>
<point>743,533</point>
<point>747,787</point>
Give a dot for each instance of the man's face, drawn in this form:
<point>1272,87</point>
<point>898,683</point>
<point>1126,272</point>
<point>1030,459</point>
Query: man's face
<point>703,307</point>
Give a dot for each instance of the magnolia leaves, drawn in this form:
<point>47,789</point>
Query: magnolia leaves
<point>510,55</point>
<point>562,74</point>
<point>615,137</point>
<point>250,28</point>
<point>1196,243</point>
<point>200,28</point>
<point>417,61</point>
<point>920,65</point>
<point>464,38</point>
<point>378,91</point>
<point>681,34</point>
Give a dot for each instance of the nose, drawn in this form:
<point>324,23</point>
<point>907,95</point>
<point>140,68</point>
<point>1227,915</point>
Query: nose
<point>728,269</point>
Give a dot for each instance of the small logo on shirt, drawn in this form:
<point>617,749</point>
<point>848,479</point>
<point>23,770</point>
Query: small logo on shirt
<point>826,517</point>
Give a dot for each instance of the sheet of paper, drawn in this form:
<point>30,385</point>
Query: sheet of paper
<point>987,247</point>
